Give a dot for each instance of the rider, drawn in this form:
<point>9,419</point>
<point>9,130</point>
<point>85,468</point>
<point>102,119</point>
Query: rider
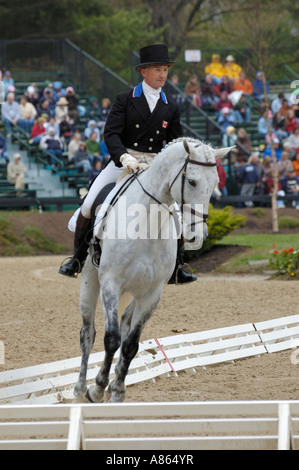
<point>139,123</point>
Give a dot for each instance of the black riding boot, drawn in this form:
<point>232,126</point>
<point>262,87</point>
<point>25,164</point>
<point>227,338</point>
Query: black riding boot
<point>83,235</point>
<point>179,275</point>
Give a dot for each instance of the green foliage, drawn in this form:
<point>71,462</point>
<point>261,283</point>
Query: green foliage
<point>220,223</point>
<point>258,212</point>
<point>288,222</point>
<point>40,242</point>
<point>285,262</point>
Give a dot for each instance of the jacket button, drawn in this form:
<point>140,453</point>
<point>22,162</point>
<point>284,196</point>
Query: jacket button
<point>157,132</point>
<point>150,148</point>
<point>151,139</point>
<point>135,145</point>
<point>137,125</point>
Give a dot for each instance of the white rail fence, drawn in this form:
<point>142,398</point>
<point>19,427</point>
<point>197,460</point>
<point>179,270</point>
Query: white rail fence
<point>53,382</point>
<point>238,425</point>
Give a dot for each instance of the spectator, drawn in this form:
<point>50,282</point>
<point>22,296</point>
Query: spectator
<point>290,184</point>
<point>16,171</point>
<point>93,146</point>
<point>7,81</point>
<point>254,160</point>
<point>248,178</point>
<point>58,91</point>
<point>37,131</point>
<point>222,178</point>
<point>279,125</point>
<point>53,145</point>
<point>92,127</point>
<point>225,119</point>
<point>284,165</point>
<point>193,90</point>
<point>258,86</point>
<point>262,125</point>
<point>207,92</point>
<point>65,130</point>
<point>43,109</point>
<point>27,113</point>
<point>81,158</point>
<point>231,69</point>
<point>61,109</point>
<point>269,186</point>
<point>51,122</point>
<point>105,110</point>
<point>224,85</point>
<point>230,137</point>
<point>73,102</point>
<point>73,145</point>
<point>95,170</point>
<point>243,84</point>
<point>215,68</point>
<point>291,121</point>
<point>10,113</point>
<point>223,102</point>
<point>4,158</point>
<point>267,165</point>
<point>285,107</point>
<point>48,95</point>
<point>174,90</point>
<point>293,139</point>
<point>242,110</point>
<point>277,103</point>
<point>243,144</point>
<point>276,147</point>
<point>295,164</point>
<point>104,151</point>
<point>32,96</point>
<point>94,110</point>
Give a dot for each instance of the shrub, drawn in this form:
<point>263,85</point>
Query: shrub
<point>286,262</point>
<point>288,222</point>
<point>40,242</point>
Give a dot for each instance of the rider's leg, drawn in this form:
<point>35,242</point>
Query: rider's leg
<point>179,275</point>
<point>84,231</point>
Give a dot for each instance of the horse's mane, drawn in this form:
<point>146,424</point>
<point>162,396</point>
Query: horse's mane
<point>207,147</point>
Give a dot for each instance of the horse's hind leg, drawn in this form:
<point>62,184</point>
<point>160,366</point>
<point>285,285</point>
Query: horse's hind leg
<point>89,295</point>
<point>130,342</point>
<point>112,339</point>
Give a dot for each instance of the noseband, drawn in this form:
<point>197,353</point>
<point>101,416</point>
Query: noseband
<point>183,171</point>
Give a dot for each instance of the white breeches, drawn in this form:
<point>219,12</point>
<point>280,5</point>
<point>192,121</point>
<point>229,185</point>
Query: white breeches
<point>110,175</point>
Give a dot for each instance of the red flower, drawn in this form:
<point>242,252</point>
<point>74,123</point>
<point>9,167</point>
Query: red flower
<point>291,250</point>
<point>275,252</point>
<point>273,244</point>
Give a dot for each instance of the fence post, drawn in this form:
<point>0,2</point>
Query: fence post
<point>284,427</point>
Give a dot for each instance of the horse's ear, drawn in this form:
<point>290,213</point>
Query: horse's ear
<point>220,153</point>
<point>186,146</point>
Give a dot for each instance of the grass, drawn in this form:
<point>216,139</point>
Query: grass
<point>259,248</point>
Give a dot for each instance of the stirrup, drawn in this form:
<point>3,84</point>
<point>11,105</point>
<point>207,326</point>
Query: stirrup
<point>75,275</point>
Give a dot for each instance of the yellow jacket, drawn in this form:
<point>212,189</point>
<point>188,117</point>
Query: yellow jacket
<point>232,70</point>
<point>215,68</point>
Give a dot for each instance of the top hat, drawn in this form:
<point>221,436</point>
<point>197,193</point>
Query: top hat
<point>156,54</point>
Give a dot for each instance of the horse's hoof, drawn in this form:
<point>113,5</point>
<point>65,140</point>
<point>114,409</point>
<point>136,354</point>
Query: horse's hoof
<point>93,395</point>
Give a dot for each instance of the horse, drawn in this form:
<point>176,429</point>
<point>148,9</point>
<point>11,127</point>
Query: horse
<point>184,172</point>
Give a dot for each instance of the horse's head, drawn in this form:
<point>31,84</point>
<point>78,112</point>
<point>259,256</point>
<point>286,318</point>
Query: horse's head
<point>193,181</point>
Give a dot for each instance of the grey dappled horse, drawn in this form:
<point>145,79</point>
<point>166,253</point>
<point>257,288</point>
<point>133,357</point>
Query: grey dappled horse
<point>185,172</point>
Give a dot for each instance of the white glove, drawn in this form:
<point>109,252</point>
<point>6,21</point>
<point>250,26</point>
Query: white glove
<point>129,162</point>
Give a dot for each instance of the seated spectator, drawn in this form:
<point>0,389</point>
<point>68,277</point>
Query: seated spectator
<point>269,186</point>
<point>105,156</point>
<point>61,109</point>
<point>258,86</point>
<point>10,113</point>
<point>192,89</point>
<point>92,127</point>
<point>27,115</point>
<point>277,103</point>
<point>254,160</point>
<point>285,108</point>
<point>225,119</point>
<point>223,102</point>
<point>4,158</point>
<point>215,68</point>
<point>248,177</point>
<point>242,110</point>
<point>276,148</point>
<point>174,91</point>
<point>230,137</point>
<point>284,165</point>
<point>231,69</point>
<point>279,125</point>
<point>291,121</point>
<point>43,109</point>
<point>295,164</point>
<point>267,165</point>
<point>74,144</point>
<point>48,95</point>
<point>262,125</point>
<point>224,85</point>
<point>58,91</point>
<point>93,146</point>
<point>95,170</point>
<point>94,111</point>
<point>243,144</point>
<point>7,81</point>
<point>32,96</point>
<point>53,145</point>
<point>290,184</point>
<point>81,158</point>
<point>222,178</point>
<point>293,139</point>
<point>105,110</point>
<point>207,92</point>
<point>16,171</point>
<point>37,131</point>
<point>51,122</point>
<point>65,130</point>
<point>73,102</point>
<point>243,84</point>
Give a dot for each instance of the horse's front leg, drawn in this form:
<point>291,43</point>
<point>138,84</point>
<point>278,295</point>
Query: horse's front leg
<point>130,343</point>
<point>89,295</point>
<point>112,341</point>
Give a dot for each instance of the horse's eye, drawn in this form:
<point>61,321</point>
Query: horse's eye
<point>192,183</point>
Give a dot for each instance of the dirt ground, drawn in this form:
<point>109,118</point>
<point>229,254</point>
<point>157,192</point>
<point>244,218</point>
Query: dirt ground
<point>40,322</point>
